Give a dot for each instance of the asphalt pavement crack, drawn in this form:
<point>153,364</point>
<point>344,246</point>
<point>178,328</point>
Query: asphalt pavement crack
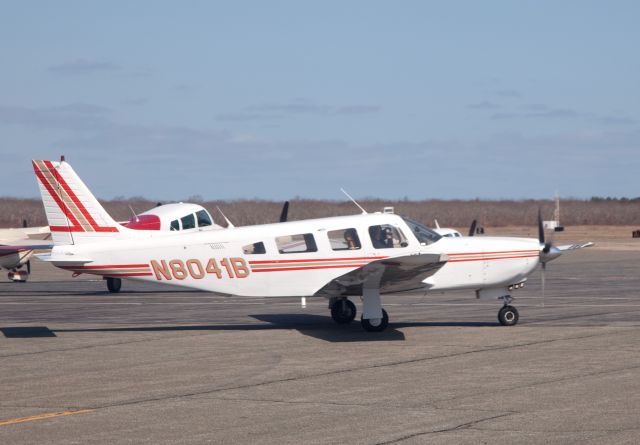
<point>461,426</point>
<point>342,371</point>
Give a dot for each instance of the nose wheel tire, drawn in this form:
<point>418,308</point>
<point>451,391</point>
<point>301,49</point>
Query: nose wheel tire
<point>343,311</point>
<point>508,316</point>
<point>114,284</point>
<point>376,324</point>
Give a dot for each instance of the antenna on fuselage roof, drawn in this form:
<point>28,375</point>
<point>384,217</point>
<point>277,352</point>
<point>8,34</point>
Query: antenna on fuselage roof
<point>364,212</point>
<point>135,215</point>
<point>229,223</point>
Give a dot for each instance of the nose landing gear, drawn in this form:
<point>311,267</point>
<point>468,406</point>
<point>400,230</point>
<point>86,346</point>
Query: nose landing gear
<point>508,315</point>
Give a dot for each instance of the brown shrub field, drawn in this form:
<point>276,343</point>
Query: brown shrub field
<point>596,211</point>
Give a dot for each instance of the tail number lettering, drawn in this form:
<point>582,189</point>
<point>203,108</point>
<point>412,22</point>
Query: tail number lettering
<point>180,270</point>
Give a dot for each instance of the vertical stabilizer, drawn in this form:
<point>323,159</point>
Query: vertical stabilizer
<point>75,216</point>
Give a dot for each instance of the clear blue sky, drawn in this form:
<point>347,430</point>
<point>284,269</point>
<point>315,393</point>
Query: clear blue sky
<point>276,99</point>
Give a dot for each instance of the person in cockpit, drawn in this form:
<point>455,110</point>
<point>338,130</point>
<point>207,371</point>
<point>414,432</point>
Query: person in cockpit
<point>350,238</point>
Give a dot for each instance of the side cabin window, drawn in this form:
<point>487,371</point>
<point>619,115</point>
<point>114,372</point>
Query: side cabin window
<point>344,239</point>
<point>203,218</point>
<point>188,222</point>
<point>254,249</point>
<point>175,225</point>
<point>296,243</point>
<point>387,237</point>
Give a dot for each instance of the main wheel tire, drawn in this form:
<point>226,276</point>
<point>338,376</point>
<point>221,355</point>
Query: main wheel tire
<point>376,324</point>
<point>114,284</point>
<point>508,316</point>
<point>343,311</point>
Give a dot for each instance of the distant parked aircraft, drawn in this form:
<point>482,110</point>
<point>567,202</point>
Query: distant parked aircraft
<point>16,249</point>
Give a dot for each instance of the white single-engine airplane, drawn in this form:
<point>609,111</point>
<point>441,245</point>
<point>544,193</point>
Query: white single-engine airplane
<point>338,257</point>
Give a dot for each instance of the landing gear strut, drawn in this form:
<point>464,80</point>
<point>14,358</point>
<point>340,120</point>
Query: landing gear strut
<point>114,284</point>
<point>508,315</point>
<point>374,318</point>
<point>343,311</point>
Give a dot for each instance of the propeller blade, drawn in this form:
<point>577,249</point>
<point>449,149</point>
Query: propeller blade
<point>285,212</point>
<point>540,228</point>
<point>29,267</point>
<point>472,228</point>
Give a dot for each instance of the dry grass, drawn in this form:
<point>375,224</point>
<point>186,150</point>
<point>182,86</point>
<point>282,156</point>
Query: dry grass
<point>603,212</point>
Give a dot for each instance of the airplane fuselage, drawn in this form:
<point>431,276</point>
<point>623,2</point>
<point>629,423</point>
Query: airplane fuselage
<point>222,261</point>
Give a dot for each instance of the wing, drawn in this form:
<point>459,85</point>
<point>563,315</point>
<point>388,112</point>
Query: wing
<point>574,246</point>
<point>397,274</point>
<point>25,244</point>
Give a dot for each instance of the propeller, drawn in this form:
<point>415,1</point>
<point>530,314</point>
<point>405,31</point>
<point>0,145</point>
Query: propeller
<point>285,212</point>
<point>29,267</point>
<point>547,246</point>
<point>548,252</point>
<point>472,228</point>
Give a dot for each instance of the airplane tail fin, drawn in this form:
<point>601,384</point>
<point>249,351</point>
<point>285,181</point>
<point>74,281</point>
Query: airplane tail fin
<point>75,216</point>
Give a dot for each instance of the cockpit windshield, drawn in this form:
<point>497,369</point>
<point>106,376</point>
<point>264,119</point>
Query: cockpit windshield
<point>424,234</point>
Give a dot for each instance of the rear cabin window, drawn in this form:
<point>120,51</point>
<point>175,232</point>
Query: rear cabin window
<point>188,222</point>
<point>175,225</point>
<point>203,218</point>
<point>387,237</point>
<point>296,243</point>
<point>254,249</point>
<point>344,239</point>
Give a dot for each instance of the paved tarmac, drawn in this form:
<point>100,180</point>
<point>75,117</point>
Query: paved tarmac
<point>163,366</point>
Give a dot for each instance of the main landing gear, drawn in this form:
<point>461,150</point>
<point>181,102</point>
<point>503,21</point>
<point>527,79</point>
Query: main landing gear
<point>376,324</point>
<point>18,276</point>
<point>343,310</point>
<point>374,318</point>
<point>114,284</point>
<point>508,315</point>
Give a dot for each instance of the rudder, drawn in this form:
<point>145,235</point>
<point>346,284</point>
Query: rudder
<point>75,216</point>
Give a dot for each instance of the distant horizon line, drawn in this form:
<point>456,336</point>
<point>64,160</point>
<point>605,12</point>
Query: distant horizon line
<point>199,199</point>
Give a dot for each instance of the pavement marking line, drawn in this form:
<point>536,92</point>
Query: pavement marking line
<point>44,416</point>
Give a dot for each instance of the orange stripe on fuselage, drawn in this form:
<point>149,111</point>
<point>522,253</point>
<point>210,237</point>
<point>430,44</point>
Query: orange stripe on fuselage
<point>318,259</point>
<point>497,252</point>
<point>285,269</point>
<point>108,266</point>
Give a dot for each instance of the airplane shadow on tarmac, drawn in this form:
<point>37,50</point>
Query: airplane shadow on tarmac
<point>316,326</point>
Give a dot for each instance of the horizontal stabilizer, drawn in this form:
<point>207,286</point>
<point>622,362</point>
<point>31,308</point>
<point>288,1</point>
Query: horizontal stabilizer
<point>26,244</point>
<point>62,260</point>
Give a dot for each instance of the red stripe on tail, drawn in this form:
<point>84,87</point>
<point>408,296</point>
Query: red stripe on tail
<point>76,227</point>
<point>75,199</point>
